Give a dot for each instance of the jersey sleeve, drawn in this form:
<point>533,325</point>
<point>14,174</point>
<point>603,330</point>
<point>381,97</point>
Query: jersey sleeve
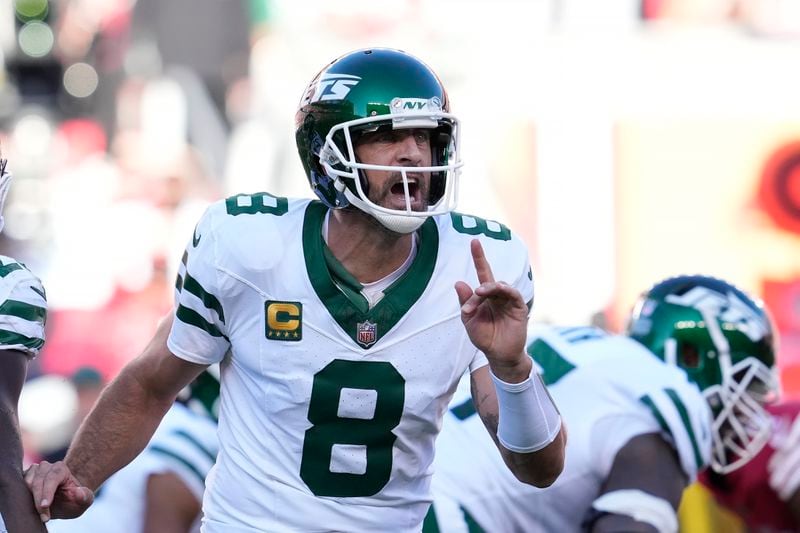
<point>188,449</point>
<point>23,309</point>
<point>684,420</point>
<point>199,333</point>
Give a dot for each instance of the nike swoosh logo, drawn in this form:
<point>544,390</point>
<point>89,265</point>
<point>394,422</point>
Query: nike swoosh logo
<point>37,291</point>
<point>195,238</point>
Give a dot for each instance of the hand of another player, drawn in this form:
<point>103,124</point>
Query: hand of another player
<point>496,318</point>
<point>784,465</point>
<point>56,492</point>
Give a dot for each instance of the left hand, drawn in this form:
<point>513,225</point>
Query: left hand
<point>496,319</point>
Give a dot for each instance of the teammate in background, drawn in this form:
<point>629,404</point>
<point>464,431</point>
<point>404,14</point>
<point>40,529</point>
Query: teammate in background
<point>23,310</point>
<point>646,412</point>
<point>765,493</point>
<point>340,338</point>
<point>161,491</point>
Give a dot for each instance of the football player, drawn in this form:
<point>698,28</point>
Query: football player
<point>765,492</point>
<point>335,324</point>
<point>646,412</point>
<point>162,489</point>
<point>23,310</point>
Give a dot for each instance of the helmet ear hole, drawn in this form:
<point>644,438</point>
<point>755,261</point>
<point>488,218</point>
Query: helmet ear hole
<point>688,356</point>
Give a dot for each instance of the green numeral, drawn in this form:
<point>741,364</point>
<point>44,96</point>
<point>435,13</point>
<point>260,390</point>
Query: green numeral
<point>329,428</point>
<point>478,226</point>
<point>260,202</point>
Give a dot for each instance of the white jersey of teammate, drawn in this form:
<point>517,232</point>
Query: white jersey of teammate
<point>185,444</point>
<point>23,308</point>
<point>609,389</point>
<point>328,410</point>
<point>23,312</point>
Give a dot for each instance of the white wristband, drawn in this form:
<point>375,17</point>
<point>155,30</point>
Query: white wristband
<point>529,420</point>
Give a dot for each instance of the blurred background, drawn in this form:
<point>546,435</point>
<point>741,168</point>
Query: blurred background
<point>625,141</point>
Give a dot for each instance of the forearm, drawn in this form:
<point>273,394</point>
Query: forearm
<point>16,503</point>
<point>540,468</point>
<point>117,429</point>
<point>525,424</point>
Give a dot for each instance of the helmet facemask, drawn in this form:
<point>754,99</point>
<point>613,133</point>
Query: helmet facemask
<point>339,161</point>
<point>741,425</point>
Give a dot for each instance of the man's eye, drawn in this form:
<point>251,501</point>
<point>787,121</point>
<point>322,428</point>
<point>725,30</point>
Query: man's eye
<point>422,137</point>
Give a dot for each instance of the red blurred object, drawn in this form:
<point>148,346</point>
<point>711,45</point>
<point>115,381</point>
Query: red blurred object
<point>746,491</point>
<point>783,300</point>
<point>779,188</point>
<point>104,338</point>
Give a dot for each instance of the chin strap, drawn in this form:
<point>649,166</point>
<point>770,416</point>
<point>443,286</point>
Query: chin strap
<point>396,223</point>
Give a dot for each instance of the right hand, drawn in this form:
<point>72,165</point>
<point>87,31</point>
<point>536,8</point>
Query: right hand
<point>56,492</point>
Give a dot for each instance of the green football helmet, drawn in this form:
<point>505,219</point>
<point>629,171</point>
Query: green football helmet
<point>361,92</point>
<point>724,341</point>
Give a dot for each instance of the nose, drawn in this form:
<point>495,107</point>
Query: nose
<point>409,151</point>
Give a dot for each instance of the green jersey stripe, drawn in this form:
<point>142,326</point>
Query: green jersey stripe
<point>5,270</point>
<point>684,413</point>
<point>464,410</point>
<point>193,318</point>
<point>10,338</point>
<point>472,524</point>
<point>430,524</point>
<point>169,453</point>
<point>208,299</point>
<point>554,366</point>
<point>648,401</point>
<point>23,310</point>
<point>195,444</point>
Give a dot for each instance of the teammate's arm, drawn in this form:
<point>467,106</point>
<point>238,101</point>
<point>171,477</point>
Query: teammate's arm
<point>642,491</point>
<point>170,506</point>
<point>115,432</point>
<point>511,400</point>
<point>16,508</point>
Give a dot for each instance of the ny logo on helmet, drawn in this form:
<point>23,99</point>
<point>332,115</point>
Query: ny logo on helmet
<point>333,87</point>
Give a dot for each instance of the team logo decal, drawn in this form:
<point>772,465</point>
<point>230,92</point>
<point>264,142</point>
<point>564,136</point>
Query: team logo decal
<point>333,87</point>
<point>366,333</point>
<point>284,320</point>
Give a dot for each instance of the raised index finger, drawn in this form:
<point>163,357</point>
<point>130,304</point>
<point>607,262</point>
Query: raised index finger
<point>482,266</point>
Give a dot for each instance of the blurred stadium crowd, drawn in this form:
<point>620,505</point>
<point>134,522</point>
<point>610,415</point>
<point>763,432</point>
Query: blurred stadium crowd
<point>123,119</point>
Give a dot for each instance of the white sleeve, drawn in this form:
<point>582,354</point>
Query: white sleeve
<point>23,309</point>
<point>188,449</point>
<point>199,332</point>
<point>684,420</point>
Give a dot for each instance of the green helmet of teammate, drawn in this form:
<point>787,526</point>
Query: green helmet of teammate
<point>361,92</point>
<point>724,340</point>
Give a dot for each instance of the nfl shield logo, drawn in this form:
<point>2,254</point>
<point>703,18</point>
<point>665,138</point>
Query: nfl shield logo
<point>366,333</point>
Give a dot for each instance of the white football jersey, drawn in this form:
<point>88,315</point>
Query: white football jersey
<point>23,310</point>
<point>328,410</point>
<point>609,389</point>
<point>185,444</point>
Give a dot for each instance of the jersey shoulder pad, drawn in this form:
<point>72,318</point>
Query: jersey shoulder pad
<point>236,226</point>
<point>23,308</point>
<point>505,251</point>
<point>680,409</point>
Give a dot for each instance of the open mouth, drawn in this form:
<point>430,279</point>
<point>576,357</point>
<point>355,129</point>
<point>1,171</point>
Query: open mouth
<point>398,196</point>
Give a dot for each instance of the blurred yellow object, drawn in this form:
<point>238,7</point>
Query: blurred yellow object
<point>699,513</point>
